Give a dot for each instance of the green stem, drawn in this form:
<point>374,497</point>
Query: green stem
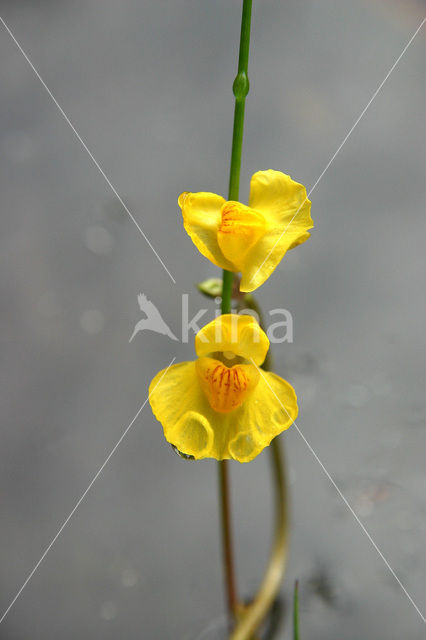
<point>254,614</point>
<point>240,89</point>
<point>227,282</point>
<point>296,611</point>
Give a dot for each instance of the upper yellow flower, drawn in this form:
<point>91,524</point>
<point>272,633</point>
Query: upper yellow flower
<point>252,239</point>
<point>222,406</point>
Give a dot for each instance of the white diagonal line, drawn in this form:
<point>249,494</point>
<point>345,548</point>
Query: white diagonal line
<point>360,523</point>
<point>345,138</point>
<point>344,499</point>
<point>90,154</point>
<point>80,500</point>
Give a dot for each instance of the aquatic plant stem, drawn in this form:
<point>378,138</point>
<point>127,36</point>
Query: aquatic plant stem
<point>240,89</point>
<point>248,618</point>
<point>296,611</point>
<point>228,556</point>
<point>255,613</point>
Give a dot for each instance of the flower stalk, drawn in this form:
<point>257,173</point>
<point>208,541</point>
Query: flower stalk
<point>249,618</point>
<point>216,408</point>
<point>240,89</point>
<point>228,552</point>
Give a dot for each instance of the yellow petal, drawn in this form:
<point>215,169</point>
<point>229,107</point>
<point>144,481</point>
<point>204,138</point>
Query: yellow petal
<point>265,256</point>
<point>201,218</point>
<point>189,422</point>
<point>270,409</point>
<point>226,388</point>
<point>179,403</point>
<point>195,428</point>
<point>239,335</point>
<point>278,197</point>
<point>286,209</point>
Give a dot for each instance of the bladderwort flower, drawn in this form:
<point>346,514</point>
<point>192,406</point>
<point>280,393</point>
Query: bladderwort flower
<point>221,405</point>
<point>249,239</point>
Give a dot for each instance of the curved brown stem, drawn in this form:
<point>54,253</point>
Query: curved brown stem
<point>256,612</point>
<point>228,552</point>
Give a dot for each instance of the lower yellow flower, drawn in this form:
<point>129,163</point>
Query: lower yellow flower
<point>253,239</point>
<point>222,406</point>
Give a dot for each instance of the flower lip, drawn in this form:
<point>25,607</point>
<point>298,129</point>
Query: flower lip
<point>228,358</point>
<point>226,388</point>
<point>233,334</point>
<point>240,229</point>
<point>239,219</point>
<point>192,425</point>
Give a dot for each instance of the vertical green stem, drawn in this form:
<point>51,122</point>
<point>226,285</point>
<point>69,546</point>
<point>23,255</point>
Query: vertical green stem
<point>227,283</point>
<point>296,611</point>
<point>240,89</point>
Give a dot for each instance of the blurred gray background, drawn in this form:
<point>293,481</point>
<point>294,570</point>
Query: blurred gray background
<point>147,84</point>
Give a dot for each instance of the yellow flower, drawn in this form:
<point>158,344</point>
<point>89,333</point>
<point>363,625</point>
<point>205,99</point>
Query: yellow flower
<point>222,405</point>
<point>252,239</point>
